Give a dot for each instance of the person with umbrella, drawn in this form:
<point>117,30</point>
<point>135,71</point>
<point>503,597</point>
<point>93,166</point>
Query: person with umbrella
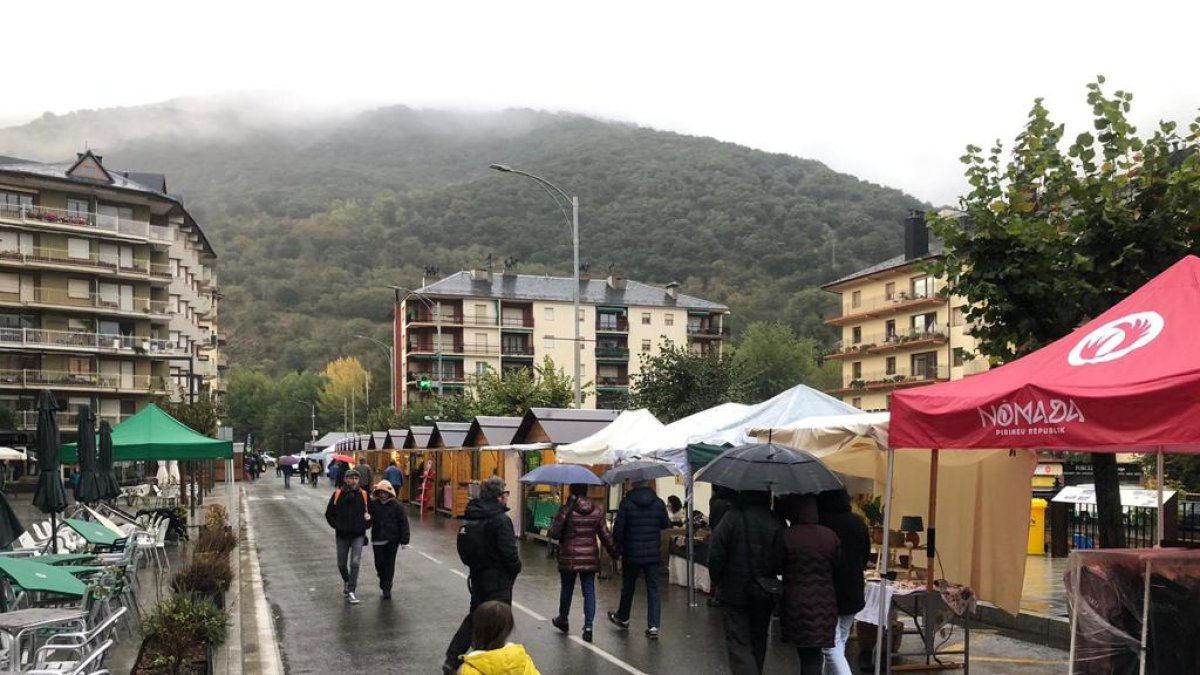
<point>576,526</point>
<point>287,464</point>
<point>807,555</point>
<point>641,518</point>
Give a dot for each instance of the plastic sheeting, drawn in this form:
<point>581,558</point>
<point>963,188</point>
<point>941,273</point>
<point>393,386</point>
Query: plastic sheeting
<point>1115,629</point>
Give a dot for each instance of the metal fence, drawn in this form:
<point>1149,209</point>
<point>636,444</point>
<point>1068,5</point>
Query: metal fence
<point>1140,525</point>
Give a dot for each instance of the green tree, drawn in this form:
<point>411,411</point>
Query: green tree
<point>201,416</point>
<point>774,358</point>
<point>251,394</point>
<point>677,382</point>
<point>1055,235</point>
<point>343,396</point>
<point>545,386</point>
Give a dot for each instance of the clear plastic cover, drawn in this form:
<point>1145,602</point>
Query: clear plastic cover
<point>1107,591</point>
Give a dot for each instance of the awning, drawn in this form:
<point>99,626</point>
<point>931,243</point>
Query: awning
<point>152,434</point>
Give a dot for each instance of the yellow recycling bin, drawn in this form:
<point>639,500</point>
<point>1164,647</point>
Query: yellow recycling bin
<point>1037,528</point>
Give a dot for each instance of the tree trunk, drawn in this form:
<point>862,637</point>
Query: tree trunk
<point>1108,500</point>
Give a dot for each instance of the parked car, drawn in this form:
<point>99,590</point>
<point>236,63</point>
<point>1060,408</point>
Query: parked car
<point>268,459</point>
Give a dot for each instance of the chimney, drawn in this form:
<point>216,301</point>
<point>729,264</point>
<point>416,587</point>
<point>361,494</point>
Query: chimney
<point>585,272</point>
<point>615,282</point>
<point>481,274</point>
<point>916,236</point>
<point>673,290</point>
<point>429,275</point>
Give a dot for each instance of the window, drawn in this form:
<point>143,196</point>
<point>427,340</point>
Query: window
<point>77,208</point>
<point>173,304</point>
<point>856,402</point>
<point>645,345</point>
<point>548,342</point>
<point>548,314</point>
<point>480,309</point>
<point>481,368</point>
<point>78,366</point>
<point>856,335</point>
<point>889,330</point>
<point>79,249</point>
<point>580,316</point>
<point>78,288</point>
<point>174,268</point>
<point>856,368</point>
<point>924,323</point>
<point>959,357</point>
<point>924,365</point>
<point>113,215</point>
<point>891,366</point>
<point>668,319</point>
<point>11,283</point>
<point>856,299</point>
<point>958,316</point>
<point>889,290</point>
<point>922,287</point>
<point>11,202</point>
<point>645,318</point>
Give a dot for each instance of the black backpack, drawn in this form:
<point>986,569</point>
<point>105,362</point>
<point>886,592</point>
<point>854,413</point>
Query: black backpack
<point>473,543</point>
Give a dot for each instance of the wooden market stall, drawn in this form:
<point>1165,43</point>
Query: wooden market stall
<point>420,467</point>
<point>452,467</point>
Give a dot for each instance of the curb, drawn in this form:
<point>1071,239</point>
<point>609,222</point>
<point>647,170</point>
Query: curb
<point>260,653</point>
<point>1052,631</point>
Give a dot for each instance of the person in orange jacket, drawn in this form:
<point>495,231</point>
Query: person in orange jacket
<point>491,653</point>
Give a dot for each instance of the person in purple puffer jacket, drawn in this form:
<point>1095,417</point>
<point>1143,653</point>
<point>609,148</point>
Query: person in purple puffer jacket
<point>577,525</point>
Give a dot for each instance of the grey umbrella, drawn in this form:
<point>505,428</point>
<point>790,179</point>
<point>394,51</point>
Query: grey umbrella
<point>89,489</point>
<point>769,467</point>
<point>109,489</point>
<point>49,496</point>
<point>638,471</point>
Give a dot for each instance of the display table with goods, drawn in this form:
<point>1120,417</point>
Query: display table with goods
<point>906,605</point>
<point>677,563</point>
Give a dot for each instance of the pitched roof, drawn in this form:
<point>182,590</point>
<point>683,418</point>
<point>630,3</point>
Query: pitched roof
<point>418,437</point>
<point>488,430</point>
<point>564,425</point>
<point>935,250</point>
<point>560,289</point>
<point>449,434</point>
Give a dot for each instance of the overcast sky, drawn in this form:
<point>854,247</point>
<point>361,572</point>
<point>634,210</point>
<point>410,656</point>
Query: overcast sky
<point>888,91</point>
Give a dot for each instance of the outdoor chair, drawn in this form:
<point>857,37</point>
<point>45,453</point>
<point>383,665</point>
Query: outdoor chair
<point>91,664</point>
<point>78,644</point>
<point>156,544</point>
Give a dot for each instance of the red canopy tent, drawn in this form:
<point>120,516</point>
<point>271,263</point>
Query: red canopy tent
<point>1128,380</point>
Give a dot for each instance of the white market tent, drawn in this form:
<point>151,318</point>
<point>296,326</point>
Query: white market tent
<point>598,448</point>
<point>986,488</point>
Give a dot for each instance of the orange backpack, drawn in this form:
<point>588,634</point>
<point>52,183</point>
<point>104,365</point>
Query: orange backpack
<point>338,493</point>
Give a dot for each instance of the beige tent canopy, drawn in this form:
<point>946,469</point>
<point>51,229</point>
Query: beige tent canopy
<point>979,541</point>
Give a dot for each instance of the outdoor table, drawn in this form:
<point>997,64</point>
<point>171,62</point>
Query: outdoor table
<point>21,622</point>
<point>39,577</point>
<point>62,558</point>
<point>94,533</point>
<point>80,570</point>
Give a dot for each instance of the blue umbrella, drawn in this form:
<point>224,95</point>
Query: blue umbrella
<point>561,474</point>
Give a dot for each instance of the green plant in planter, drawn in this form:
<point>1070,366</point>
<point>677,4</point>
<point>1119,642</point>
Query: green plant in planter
<point>216,540</point>
<point>180,631</point>
<point>207,574</point>
<point>872,509</point>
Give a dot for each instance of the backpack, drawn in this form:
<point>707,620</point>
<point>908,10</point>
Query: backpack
<point>337,494</point>
<point>473,543</point>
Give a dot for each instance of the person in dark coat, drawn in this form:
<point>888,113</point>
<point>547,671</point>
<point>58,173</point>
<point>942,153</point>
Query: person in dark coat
<point>493,573</point>
<point>806,554</point>
<point>389,531</point>
<point>737,556</point>
<point>348,514</point>
<point>364,473</point>
<point>854,538</point>
<point>287,470</point>
<point>641,518</point>
<point>576,526</point>
<point>393,475</point>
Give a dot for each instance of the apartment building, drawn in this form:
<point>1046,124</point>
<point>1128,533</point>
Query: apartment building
<point>506,321</point>
<point>899,329</point>
<point>107,291</point>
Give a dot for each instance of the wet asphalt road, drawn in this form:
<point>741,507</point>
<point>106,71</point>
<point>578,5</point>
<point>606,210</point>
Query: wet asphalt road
<point>320,633</point>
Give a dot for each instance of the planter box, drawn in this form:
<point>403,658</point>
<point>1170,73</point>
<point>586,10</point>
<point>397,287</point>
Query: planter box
<point>142,665</point>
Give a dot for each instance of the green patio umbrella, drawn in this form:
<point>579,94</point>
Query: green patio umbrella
<point>35,576</point>
<point>88,490</point>
<point>49,497</point>
<point>109,488</point>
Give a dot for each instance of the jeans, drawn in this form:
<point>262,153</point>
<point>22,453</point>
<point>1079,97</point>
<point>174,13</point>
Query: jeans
<point>461,642</point>
<point>287,480</point>
<point>587,580</point>
<point>349,555</point>
<point>835,656</point>
<point>629,576</point>
<point>746,630</point>
<point>385,563</point>
<point>810,660</point>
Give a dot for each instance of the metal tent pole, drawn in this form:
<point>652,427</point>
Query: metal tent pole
<point>691,554</point>
<point>883,565</point>
<point>1158,484</point>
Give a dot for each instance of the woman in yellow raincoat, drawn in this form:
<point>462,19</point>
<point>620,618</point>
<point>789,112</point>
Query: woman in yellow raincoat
<point>491,653</point>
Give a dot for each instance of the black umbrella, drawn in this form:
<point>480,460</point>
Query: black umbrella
<point>639,471</point>
<point>89,489</point>
<point>109,489</point>
<point>49,496</point>
<point>10,527</point>
<point>769,467</point>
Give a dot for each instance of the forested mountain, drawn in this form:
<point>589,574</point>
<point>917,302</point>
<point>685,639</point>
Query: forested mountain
<point>312,218</point>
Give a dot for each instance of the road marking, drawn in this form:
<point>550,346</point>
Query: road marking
<point>606,656</point>
<point>528,611</point>
<point>425,555</point>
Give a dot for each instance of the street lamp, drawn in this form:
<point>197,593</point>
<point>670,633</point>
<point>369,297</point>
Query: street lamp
<point>313,407</point>
<point>437,317</point>
<point>551,189</point>
<point>391,363</point>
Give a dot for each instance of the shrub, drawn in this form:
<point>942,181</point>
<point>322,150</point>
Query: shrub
<point>181,629</point>
<point>216,516</point>
<point>206,574</point>
<point>216,541</point>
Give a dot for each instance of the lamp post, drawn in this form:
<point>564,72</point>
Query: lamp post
<point>391,363</point>
<point>437,318</point>
<point>551,189</point>
<point>313,409</point>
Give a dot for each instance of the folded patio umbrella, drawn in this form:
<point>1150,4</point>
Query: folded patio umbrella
<point>638,471</point>
<point>561,474</point>
<point>10,526</point>
<point>49,496</point>
<point>88,490</point>
<point>109,488</point>
<point>769,467</point>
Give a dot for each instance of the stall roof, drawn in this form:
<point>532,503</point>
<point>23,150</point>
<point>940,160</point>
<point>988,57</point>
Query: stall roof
<point>449,434</point>
<point>597,448</point>
<point>331,438</point>
<point>380,440</point>
<point>488,430</point>
<point>399,437</point>
<point>418,437</point>
<point>562,425</point>
<point>154,434</point>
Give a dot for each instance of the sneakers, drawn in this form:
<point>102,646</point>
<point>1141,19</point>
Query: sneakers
<point>652,632</point>
<point>616,621</point>
<point>352,598</point>
<point>587,634</point>
<point>561,624</point>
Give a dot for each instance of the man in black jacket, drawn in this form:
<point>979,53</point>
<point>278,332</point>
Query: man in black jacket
<point>744,537</point>
<point>848,586</point>
<point>348,514</point>
<point>488,546</point>
<point>641,518</point>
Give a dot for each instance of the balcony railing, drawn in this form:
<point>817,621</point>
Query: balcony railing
<point>882,305</point>
<point>608,326</point>
<point>901,377</point>
<point>517,350</point>
<point>71,340</point>
<point>56,297</point>
<point>517,322</point>
<point>42,215</point>
<point>612,352</point>
<point>885,342</point>
<point>619,381</point>
<point>36,378</point>
<point>702,330</point>
<point>61,256</point>
<point>455,376</point>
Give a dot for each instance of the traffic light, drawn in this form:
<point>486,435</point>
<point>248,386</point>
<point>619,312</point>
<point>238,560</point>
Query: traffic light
<point>425,384</point>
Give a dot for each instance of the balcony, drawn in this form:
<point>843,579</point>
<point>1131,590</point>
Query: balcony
<point>454,349</point>
<point>885,343</point>
<point>517,350</point>
<point>451,319</point>
<point>881,305</point>
<point>610,324</point>
<point>899,379</point>
<point>41,257</point>
<point>70,341</point>
<point>23,379</point>
<point>517,322</point>
<point>84,222</point>
<point>68,421</point>
<point>108,303</point>
<point>612,353</point>
<point>455,377</point>
<point>707,331</point>
<point>618,382</point>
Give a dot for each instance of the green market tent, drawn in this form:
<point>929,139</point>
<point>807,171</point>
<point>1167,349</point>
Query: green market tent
<point>700,454</point>
<point>152,434</point>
